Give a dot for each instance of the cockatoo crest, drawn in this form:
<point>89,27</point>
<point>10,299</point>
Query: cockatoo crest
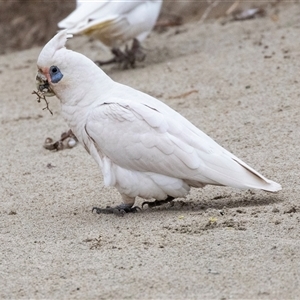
<point>56,43</point>
<point>61,69</point>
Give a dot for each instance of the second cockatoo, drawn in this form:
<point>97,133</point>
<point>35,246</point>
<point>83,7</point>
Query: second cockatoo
<point>115,23</point>
<point>142,146</point>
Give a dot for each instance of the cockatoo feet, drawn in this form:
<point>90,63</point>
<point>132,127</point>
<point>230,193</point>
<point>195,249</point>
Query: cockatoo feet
<point>136,52</point>
<point>119,210</point>
<point>158,202</point>
<point>119,57</point>
<point>126,58</point>
<point>67,140</point>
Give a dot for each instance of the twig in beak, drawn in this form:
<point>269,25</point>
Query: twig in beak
<point>41,96</point>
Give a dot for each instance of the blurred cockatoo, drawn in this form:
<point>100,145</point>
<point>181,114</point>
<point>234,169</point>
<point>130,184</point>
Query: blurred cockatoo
<point>115,23</point>
<point>143,147</point>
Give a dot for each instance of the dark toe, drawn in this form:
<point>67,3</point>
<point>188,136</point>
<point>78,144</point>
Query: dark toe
<point>119,210</point>
<point>157,202</point>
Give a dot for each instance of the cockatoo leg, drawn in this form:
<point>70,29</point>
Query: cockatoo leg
<point>136,51</point>
<point>126,58</point>
<point>117,210</point>
<point>158,202</point>
<point>119,57</point>
<point>67,140</point>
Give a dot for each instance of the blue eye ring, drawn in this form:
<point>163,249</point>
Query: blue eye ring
<point>55,74</point>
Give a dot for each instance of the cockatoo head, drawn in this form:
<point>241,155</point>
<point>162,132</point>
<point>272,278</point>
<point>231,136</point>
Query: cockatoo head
<point>65,73</point>
<point>51,64</point>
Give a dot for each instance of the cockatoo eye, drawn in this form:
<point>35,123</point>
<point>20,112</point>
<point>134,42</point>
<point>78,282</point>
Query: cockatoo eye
<point>55,74</point>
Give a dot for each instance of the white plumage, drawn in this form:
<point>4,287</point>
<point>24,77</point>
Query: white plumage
<point>143,147</point>
<point>114,23</point>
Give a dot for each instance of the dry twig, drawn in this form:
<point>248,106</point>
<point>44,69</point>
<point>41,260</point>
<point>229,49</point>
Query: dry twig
<point>211,4</point>
<point>41,96</point>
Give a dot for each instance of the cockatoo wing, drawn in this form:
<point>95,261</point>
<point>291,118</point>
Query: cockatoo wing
<point>81,15</point>
<point>115,20</point>
<point>139,137</point>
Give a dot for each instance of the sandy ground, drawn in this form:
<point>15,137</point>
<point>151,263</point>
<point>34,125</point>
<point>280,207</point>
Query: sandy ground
<point>236,81</point>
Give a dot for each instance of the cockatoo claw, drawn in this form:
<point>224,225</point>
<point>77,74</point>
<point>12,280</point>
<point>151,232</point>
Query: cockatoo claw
<point>126,58</point>
<point>157,202</point>
<point>118,210</point>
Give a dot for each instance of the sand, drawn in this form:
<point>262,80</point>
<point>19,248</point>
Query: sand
<point>238,82</point>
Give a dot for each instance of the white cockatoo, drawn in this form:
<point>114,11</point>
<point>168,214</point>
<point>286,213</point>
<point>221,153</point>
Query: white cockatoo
<point>115,23</point>
<point>142,146</point>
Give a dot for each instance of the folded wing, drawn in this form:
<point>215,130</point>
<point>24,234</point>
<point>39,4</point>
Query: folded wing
<point>139,137</point>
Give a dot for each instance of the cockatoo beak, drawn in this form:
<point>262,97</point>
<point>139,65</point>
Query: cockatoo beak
<point>42,85</point>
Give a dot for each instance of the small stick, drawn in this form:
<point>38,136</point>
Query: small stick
<point>41,96</point>
<point>211,5</point>
<point>233,7</point>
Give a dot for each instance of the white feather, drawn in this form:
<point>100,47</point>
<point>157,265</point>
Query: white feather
<point>113,22</point>
<point>143,147</point>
